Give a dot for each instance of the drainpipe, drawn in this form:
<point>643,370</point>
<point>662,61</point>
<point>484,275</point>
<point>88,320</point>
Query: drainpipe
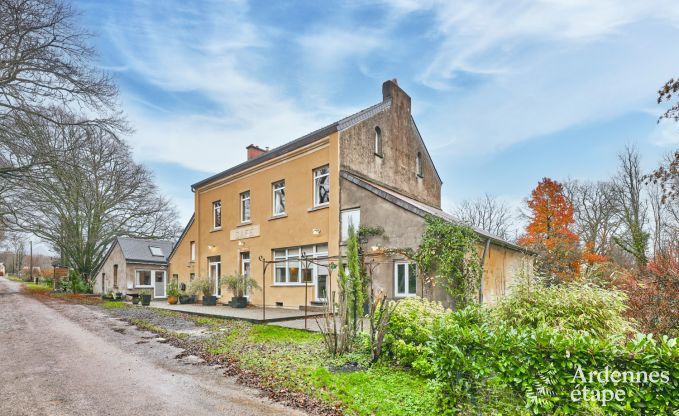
<point>483,262</point>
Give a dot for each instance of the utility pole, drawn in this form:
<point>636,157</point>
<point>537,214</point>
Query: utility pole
<point>31,261</point>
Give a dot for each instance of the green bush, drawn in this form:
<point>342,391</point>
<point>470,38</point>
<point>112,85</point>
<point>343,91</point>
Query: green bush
<point>539,366</point>
<point>410,329</point>
<point>566,307</point>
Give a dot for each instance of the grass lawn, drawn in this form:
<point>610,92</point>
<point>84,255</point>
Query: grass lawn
<point>38,287</point>
<point>285,362</point>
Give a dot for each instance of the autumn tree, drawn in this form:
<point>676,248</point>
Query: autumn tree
<point>550,234</point>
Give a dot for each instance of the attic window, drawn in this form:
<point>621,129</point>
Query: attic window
<point>156,251</point>
<point>378,141</point>
<point>418,164</point>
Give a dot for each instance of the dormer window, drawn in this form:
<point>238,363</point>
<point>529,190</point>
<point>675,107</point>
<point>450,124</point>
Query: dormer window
<point>418,164</point>
<point>378,141</point>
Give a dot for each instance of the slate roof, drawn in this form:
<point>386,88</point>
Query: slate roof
<point>300,142</point>
<point>420,208</point>
<point>138,250</point>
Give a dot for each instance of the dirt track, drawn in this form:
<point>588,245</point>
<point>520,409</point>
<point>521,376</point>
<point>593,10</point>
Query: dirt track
<point>65,359</point>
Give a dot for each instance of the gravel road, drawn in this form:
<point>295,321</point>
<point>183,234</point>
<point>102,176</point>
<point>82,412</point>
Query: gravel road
<point>65,359</point>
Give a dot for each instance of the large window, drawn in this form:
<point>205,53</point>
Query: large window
<point>405,279</point>
<point>245,206</point>
<point>350,217</point>
<point>217,215</point>
<point>143,278</point>
<point>289,266</point>
<point>321,186</point>
<point>278,198</point>
<point>193,251</point>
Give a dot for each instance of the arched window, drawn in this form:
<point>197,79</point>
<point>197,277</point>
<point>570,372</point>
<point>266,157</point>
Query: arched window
<point>378,141</point>
<point>418,164</point>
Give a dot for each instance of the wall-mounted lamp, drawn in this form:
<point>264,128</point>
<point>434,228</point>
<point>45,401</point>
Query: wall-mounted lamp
<point>375,248</point>
<point>241,243</point>
<point>316,231</point>
<point>211,246</point>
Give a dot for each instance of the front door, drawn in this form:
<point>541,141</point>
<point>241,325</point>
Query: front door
<point>245,269</point>
<point>159,284</point>
<point>214,276</point>
<point>322,281</point>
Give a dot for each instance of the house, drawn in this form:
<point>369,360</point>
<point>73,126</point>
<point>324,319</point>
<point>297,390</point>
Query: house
<point>371,168</point>
<point>132,264</point>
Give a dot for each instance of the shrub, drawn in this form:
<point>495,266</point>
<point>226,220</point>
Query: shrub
<point>204,286</point>
<point>565,307</point>
<point>539,366</point>
<point>410,327</point>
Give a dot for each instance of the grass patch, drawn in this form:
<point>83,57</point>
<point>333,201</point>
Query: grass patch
<point>38,287</point>
<point>114,304</point>
<point>378,391</point>
<point>264,333</point>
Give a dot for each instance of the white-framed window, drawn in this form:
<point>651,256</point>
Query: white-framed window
<point>278,189</point>
<point>156,251</point>
<point>348,218</point>
<point>288,268</point>
<point>418,164</point>
<point>245,267</point>
<point>405,279</point>
<point>245,206</point>
<point>215,274</point>
<point>143,278</point>
<point>217,215</point>
<point>321,186</point>
<point>378,141</point>
<point>193,251</point>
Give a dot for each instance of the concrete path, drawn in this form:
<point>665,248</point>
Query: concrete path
<point>66,359</point>
<point>251,313</point>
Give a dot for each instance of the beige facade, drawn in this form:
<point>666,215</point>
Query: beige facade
<point>303,223</point>
<point>381,145</point>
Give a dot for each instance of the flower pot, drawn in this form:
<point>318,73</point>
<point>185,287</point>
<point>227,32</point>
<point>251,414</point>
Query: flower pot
<point>184,299</point>
<point>238,302</point>
<point>118,296</point>
<point>209,300</point>
<point>135,300</point>
<point>172,300</point>
<point>192,299</point>
<point>145,300</point>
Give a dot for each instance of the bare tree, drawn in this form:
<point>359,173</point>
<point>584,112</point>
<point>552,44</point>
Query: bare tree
<point>487,213</point>
<point>80,203</point>
<point>631,208</point>
<point>45,62</point>
<point>596,219</point>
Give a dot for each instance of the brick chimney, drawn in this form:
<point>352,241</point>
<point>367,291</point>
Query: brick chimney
<point>399,98</point>
<point>254,151</point>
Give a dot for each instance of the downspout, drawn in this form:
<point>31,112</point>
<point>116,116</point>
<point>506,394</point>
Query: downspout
<point>483,263</point>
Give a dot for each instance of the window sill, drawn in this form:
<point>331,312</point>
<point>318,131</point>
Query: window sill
<point>310,284</point>
<point>380,155</point>
<point>321,206</point>
<point>401,296</point>
<point>143,287</point>
<point>244,224</point>
<point>318,208</point>
<point>214,230</point>
<point>420,176</point>
<point>278,216</point>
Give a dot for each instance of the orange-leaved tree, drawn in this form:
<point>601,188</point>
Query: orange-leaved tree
<point>549,233</point>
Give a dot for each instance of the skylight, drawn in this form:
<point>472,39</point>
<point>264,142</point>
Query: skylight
<point>156,251</point>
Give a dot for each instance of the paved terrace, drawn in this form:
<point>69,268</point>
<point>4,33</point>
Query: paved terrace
<point>254,314</point>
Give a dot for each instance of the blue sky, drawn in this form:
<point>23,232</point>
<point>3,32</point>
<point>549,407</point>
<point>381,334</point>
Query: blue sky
<point>504,92</point>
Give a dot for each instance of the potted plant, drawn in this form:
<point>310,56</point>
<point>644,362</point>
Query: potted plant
<point>207,288</point>
<point>108,295</point>
<point>135,300</point>
<point>186,298</point>
<point>173,292</point>
<point>119,296</point>
<point>239,285</point>
<point>145,295</point>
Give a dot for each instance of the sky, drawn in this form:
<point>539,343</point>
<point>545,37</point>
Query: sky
<point>504,92</point>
